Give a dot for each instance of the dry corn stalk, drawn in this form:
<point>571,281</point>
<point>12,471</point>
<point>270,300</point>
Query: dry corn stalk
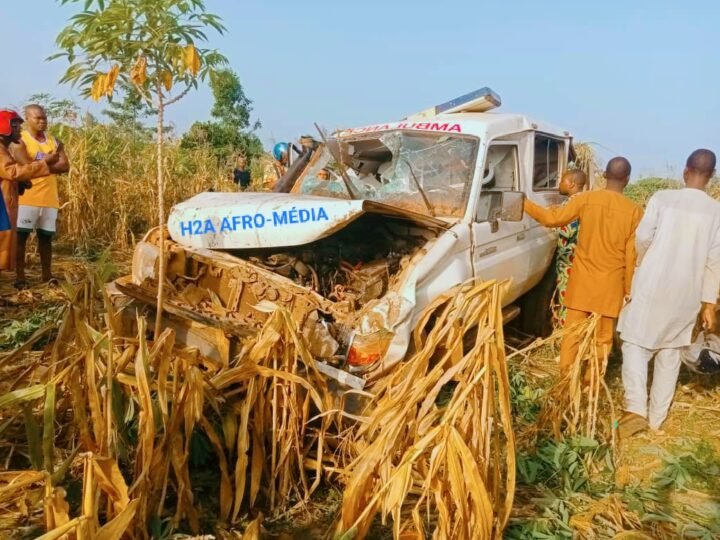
<point>273,394</point>
<point>573,402</point>
<point>450,467</point>
<point>265,415</point>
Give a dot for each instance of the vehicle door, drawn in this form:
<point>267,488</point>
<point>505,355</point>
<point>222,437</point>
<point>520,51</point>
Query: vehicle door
<point>547,154</point>
<point>496,252</point>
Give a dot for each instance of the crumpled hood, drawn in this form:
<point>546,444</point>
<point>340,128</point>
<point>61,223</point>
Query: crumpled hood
<point>265,220</point>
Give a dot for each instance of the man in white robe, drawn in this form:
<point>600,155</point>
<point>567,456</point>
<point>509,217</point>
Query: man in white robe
<point>678,275</point>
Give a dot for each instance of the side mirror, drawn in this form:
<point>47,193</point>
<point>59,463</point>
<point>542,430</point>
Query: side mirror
<point>495,206</point>
<point>513,206</point>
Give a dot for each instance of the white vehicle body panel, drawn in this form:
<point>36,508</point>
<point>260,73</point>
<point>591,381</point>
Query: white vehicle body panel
<point>465,247</point>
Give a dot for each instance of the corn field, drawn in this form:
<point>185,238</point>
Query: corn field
<point>129,416</point>
<point>108,196</point>
<point>104,436</point>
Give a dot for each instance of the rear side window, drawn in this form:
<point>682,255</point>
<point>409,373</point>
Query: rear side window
<point>547,162</point>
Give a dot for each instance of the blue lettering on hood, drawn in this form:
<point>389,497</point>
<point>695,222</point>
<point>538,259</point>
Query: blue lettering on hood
<point>242,222</point>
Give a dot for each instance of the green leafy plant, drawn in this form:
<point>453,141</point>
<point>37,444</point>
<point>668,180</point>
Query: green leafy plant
<point>149,45</point>
<point>18,332</point>
<point>524,397</point>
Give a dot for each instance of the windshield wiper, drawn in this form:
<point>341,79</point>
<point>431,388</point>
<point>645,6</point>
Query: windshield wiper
<point>343,170</point>
<point>421,190</point>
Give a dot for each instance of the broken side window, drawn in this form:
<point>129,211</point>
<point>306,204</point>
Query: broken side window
<point>501,168</point>
<point>547,162</point>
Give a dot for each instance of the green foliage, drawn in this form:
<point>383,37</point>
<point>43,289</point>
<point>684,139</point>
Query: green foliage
<point>690,467</point>
<point>223,141</point>
<point>561,466</point>
<point>642,190</point>
<point>119,33</point>
<point>558,471</point>
<point>232,107</point>
<point>525,399</point>
<point>696,467</point>
<point>19,331</point>
<point>231,131</point>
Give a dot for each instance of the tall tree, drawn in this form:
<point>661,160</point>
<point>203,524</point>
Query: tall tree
<point>151,45</point>
<point>231,131</point>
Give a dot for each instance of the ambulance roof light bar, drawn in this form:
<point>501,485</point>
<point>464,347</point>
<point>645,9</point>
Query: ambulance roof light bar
<point>482,100</point>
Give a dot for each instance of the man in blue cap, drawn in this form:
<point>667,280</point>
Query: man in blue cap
<point>275,167</point>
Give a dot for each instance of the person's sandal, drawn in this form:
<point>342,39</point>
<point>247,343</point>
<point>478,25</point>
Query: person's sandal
<point>631,424</point>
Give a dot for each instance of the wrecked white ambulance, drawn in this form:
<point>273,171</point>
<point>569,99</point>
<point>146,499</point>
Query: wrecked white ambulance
<point>381,221</point>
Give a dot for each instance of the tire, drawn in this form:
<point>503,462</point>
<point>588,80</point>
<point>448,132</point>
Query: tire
<point>535,306</point>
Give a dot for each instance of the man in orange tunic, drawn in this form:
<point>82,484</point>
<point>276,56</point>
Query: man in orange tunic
<point>11,174</point>
<point>604,259</point>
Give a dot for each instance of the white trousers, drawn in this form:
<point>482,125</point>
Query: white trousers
<point>635,376</point>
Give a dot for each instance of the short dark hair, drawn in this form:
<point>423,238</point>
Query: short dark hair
<point>34,107</point>
<point>618,168</point>
<point>702,161</point>
<point>579,177</point>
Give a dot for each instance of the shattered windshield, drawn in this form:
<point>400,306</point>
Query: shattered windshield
<point>426,173</point>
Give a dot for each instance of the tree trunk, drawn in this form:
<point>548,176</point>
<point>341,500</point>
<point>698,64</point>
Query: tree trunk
<point>161,214</point>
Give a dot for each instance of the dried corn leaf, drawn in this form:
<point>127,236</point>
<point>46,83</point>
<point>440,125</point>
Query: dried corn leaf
<point>111,481</point>
<point>60,532</point>
<point>454,461</point>
<point>116,528</point>
<point>253,531</point>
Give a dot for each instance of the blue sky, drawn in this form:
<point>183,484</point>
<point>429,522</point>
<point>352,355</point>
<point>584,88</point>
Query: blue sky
<point>639,77</point>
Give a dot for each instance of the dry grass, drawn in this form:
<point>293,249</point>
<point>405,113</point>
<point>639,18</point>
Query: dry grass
<point>137,406</point>
<point>445,469</point>
<point>125,414</point>
<point>109,195</point>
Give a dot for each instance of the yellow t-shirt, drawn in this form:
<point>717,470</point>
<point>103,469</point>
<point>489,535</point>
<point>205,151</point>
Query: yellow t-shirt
<point>44,191</point>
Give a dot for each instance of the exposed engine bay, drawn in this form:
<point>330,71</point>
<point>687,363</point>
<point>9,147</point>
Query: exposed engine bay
<point>325,285</point>
<point>356,264</point>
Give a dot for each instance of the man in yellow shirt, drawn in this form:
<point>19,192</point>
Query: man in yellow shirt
<point>39,206</point>
<point>604,258</point>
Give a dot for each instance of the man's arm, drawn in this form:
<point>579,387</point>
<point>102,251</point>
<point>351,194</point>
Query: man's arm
<point>711,283</point>
<point>631,253</point>
<point>646,230</point>
<point>63,164</point>
<point>15,172</point>
<point>20,154</point>
<point>711,275</point>
<point>556,216</point>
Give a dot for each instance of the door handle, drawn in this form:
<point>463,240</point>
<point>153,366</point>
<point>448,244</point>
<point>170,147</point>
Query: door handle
<point>488,251</point>
<point>521,236</point>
